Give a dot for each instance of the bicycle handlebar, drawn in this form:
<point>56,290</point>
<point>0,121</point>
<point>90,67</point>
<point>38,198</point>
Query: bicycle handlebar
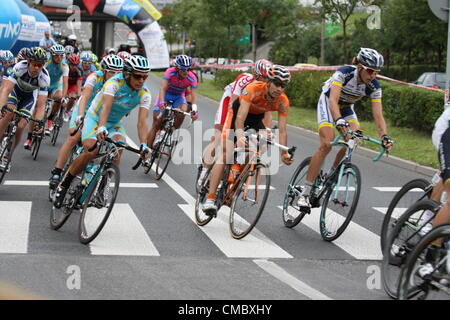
<point>23,115</point>
<point>290,150</point>
<point>358,135</point>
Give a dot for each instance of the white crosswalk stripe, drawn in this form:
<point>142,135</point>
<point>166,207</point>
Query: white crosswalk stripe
<point>14,226</point>
<point>356,240</point>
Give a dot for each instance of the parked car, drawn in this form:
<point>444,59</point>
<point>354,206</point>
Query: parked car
<point>432,79</point>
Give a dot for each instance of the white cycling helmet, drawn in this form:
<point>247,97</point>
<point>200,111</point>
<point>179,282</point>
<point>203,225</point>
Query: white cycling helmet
<point>136,63</point>
<point>72,37</point>
<point>112,62</point>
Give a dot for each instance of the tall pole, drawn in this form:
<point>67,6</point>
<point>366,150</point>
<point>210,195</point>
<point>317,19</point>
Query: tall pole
<point>322,43</point>
<point>447,82</point>
<point>254,41</point>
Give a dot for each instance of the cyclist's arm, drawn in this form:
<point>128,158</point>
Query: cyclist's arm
<point>193,96</point>
<point>106,109</point>
<point>40,106</point>
<point>8,86</point>
<point>267,121</point>
<point>377,111</point>
<point>232,100</point>
<point>84,99</point>
<point>335,94</point>
<point>162,91</point>
<point>240,118</point>
<point>79,82</point>
<point>282,121</point>
<point>142,125</point>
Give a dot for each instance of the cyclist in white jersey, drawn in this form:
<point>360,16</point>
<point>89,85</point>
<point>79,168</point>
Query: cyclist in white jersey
<point>119,96</point>
<point>28,82</point>
<point>348,85</point>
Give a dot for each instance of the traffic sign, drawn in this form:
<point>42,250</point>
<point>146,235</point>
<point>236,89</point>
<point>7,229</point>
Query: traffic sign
<point>439,8</point>
<point>246,38</point>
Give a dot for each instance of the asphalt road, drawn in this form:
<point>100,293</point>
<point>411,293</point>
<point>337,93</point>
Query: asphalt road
<point>151,247</point>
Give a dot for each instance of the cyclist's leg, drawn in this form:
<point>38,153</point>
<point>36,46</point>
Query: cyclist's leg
<point>56,95</point>
<point>179,103</point>
<point>26,104</point>
<point>443,215</point>
<point>31,126</point>
<point>117,133</point>
<point>156,126</point>
<point>354,125</point>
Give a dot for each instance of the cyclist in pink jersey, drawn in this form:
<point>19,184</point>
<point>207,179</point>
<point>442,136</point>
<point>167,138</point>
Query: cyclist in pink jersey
<point>175,83</point>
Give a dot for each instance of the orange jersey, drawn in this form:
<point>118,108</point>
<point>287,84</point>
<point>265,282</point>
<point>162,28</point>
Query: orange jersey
<point>256,94</point>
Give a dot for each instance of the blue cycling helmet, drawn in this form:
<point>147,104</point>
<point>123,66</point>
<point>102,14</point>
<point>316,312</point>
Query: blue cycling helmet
<point>183,62</point>
<point>86,56</point>
<point>370,58</point>
<point>6,56</point>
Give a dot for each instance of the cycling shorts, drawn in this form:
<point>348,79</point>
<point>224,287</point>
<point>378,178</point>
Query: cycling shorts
<point>177,100</point>
<point>72,88</point>
<point>444,155</point>
<point>90,127</point>
<point>22,99</point>
<point>54,87</point>
<point>324,117</point>
<point>222,111</point>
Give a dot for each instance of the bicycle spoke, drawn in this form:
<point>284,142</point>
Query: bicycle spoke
<point>249,201</point>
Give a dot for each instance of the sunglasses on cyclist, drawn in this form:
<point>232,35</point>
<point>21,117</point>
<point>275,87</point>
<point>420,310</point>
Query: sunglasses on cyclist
<point>112,71</point>
<point>370,71</point>
<point>184,69</point>
<point>139,76</point>
<point>280,84</point>
<point>35,64</point>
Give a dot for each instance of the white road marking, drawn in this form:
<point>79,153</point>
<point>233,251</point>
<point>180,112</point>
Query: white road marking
<point>45,183</point>
<point>395,214</point>
<point>356,240</point>
<point>14,226</point>
<point>282,275</point>
<point>254,245</point>
<point>124,235</point>
<point>395,189</point>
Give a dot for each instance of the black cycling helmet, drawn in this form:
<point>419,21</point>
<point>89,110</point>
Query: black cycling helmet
<point>37,54</point>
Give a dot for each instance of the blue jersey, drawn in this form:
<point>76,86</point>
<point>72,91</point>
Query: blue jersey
<point>85,73</point>
<point>125,99</point>
<point>96,81</point>
<point>347,78</point>
<point>56,71</point>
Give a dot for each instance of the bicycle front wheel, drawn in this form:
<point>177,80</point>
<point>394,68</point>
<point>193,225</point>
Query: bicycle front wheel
<point>415,190</point>
<point>98,204</point>
<point>167,145</point>
<point>291,212</point>
<point>58,217</point>
<point>249,200</point>
<point>402,240</point>
<point>36,144</point>
<point>425,275</point>
<point>340,203</point>
<point>5,151</point>
<point>200,217</point>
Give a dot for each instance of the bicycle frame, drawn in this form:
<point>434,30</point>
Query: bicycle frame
<point>350,146</point>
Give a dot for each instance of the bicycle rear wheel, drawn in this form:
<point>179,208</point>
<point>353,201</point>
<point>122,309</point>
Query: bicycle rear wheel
<point>98,204</point>
<point>167,145</point>
<point>400,243</point>
<point>200,217</point>
<point>57,126</point>
<point>418,284</point>
<point>291,213</point>
<point>249,200</point>
<point>58,217</point>
<point>413,191</point>
<point>338,209</point>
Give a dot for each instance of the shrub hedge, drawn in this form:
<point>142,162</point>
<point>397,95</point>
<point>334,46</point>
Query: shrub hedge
<point>403,106</point>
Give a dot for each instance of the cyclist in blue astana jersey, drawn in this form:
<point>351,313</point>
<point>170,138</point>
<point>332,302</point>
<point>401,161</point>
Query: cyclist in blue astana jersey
<point>59,74</point>
<point>111,65</point>
<point>7,64</point>
<point>86,65</point>
<point>28,81</point>
<point>119,96</point>
<point>346,86</point>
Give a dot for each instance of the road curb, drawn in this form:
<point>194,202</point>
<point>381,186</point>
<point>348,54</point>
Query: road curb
<point>395,161</point>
